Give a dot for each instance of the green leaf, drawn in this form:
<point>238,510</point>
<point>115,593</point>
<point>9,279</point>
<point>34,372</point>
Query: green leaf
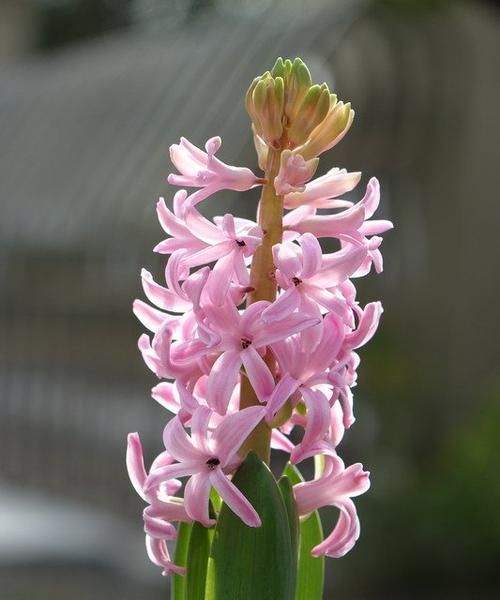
<point>253,563</point>
<point>286,490</point>
<point>197,561</point>
<point>215,499</point>
<point>311,570</point>
<point>178,582</point>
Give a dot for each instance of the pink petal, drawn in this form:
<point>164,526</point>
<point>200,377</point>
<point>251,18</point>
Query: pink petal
<point>287,260</point>
<point>150,357</point>
<point>220,279</point>
<point>199,428</point>
<point>311,255</point>
<point>367,325</point>
<point>344,535</point>
<point>234,498</point>
<point>157,527</point>
<point>222,380</point>
<point>258,373</point>
<point>283,390</point>
<point>371,198</point>
<point>233,431</point>
<point>135,464</point>
<point>161,296</point>
<point>274,332</point>
<point>163,394</point>
<point>164,474</point>
<point>179,444</point>
<point>332,225</point>
<point>204,229</point>
<point>318,421</point>
<point>337,267</point>
<point>285,304</point>
<point>208,255</point>
<point>169,222</point>
<point>158,554</point>
<point>187,399</point>
<point>334,183</point>
<point>151,317</point>
<point>196,497</point>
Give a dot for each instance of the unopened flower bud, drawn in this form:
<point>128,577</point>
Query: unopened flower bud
<point>265,102</point>
<point>311,113</point>
<point>294,173</point>
<point>329,132</point>
<point>261,148</point>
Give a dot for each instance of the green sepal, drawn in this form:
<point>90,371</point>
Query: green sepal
<point>178,582</point>
<point>311,570</point>
<point>248,563</point>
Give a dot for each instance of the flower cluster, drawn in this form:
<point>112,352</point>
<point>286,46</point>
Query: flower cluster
<point>298,352</point>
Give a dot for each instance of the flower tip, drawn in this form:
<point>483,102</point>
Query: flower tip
<point>255,522</point>
<point>213,144</point>
<point>348,421</point>
<point>132,438</point>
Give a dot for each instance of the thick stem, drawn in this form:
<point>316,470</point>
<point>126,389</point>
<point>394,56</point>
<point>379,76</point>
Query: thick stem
<point>264,283</point>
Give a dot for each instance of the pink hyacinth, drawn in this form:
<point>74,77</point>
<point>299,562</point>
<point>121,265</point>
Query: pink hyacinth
<point>294,347</point>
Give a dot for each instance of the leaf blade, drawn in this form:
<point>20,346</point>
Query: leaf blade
<point>197,561</point>
<point>248,563</point>
<point>178,583</point>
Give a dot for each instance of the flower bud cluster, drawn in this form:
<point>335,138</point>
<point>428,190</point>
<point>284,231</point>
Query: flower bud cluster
<point>204,342</point>
<point>288,111</point>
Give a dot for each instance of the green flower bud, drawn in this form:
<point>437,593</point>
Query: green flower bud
<point>288,112</point>
<point>298,83</point>
<point>313,110</point>
<point>329,132</point>
<point>265,100</point>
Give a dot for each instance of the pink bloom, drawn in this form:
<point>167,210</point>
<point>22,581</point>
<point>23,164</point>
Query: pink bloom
<point>294,172</point>
<point>343,377</point>
<point>160,513</point>
<point>307,276</point>
<point>335,487</point>
<point>347,225</point>
<point>174,224</point>
<point>303,371</point>
<point>198,241</point>
<point>243,337</point>
<point>204,170</point>
<point>207,457</point>
<point>228,247</point>
<point>321,191</point>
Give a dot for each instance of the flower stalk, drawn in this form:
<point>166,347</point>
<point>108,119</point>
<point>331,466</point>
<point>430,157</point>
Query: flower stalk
<point>263,282</point>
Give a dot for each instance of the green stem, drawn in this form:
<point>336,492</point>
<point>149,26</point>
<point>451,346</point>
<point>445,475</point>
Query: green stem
<point>264,283</point>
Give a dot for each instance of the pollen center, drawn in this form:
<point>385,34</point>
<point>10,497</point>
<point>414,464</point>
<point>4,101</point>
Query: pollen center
<point>245,343</point>
<point>240,243</point>
<point>296,281</point>
<point>212,463</point>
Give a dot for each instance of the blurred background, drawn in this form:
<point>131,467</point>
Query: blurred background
<point>92,93</point>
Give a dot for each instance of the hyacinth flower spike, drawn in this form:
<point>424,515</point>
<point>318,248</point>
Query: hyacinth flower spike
<point>254,335</point>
